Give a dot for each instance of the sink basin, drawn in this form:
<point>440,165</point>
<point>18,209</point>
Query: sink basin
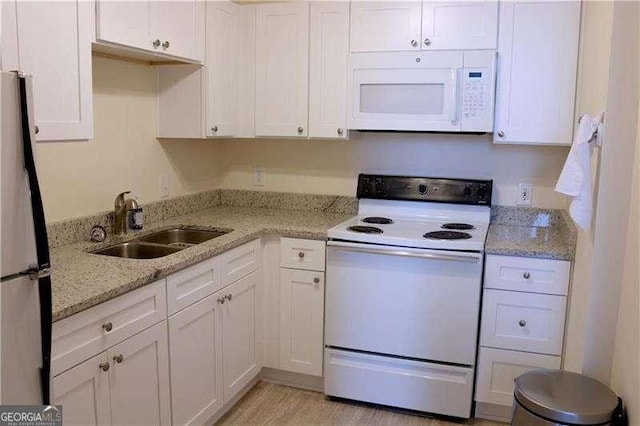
<point>181,237</point>
<point>137,250</point>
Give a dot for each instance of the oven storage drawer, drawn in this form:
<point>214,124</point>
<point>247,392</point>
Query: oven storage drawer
<point>298,253</point>
<point>523,321</point>
<point>414,385</point>
<point>497,370</point>
<point>415,303</point>
<point>527,274</point>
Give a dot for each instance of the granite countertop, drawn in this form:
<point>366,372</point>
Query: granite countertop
<point>82,279</point>
<point>527,232</point>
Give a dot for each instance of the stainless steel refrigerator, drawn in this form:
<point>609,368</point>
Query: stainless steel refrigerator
<point>25,286</point>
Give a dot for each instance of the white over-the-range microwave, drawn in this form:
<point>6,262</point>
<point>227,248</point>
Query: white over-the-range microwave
<point>443,91</point>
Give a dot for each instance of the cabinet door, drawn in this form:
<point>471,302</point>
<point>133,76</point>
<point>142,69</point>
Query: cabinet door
<point>459,25</point>
<point>240,358</point>
<point>329,52</point>
<point>220,65</point>
<point>385,26</point>
<point>139,379</point>
<point>498,369</point>
<point>125,22</point>
<point>57,52</point>
<point>83,391</point>
<point>195,343</point>
<point>282,61</point>
<point>178,25</point>
<point>537,60</point>
<point>301,321</point>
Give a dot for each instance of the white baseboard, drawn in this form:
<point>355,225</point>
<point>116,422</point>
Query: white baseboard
<point>296,380</point>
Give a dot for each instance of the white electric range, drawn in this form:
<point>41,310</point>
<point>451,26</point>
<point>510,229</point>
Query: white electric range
<point>403,293</point>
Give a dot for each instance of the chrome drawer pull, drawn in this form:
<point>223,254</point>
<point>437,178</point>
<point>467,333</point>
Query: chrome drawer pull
<point>522,323</point>
<point>526,275</point>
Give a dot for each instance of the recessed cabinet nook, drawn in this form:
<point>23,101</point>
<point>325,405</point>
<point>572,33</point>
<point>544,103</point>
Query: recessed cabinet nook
<point>280,69</point>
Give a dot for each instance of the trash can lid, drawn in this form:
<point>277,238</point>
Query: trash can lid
<point>565,397</point>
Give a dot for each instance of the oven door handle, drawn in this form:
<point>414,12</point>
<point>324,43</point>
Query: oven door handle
<point>455,256</point>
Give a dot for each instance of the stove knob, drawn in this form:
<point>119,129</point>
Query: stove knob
<point>482,191</point>
<point>466,191</point>
<point>379,186</point>
<point>422,189</point>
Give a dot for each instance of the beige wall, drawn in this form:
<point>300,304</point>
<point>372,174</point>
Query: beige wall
<point>593,80</point>
<point>80,178</point>
<point>332,167</point>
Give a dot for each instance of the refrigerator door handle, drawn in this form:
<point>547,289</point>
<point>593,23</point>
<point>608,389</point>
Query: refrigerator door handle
<point>43,270</point>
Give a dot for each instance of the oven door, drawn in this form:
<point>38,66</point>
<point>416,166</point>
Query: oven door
<point>415,303</point>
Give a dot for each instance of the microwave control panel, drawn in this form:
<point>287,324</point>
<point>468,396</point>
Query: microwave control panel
<point>475,90</point>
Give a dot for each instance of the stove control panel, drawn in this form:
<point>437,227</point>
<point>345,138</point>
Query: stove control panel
<point>441,190</point>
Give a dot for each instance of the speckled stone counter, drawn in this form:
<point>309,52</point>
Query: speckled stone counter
<point>530,232</point>
<point>82,280</point>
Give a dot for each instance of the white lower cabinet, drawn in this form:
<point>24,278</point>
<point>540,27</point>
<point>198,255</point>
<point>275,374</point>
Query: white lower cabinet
<point>240,359</point>
<point>195,336</point>
<point>498,368</point>
<point>127,384</point>
<point>301,321</point>
<point>83,391</point>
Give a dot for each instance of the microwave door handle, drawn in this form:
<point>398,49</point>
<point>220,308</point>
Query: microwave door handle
<point>453,113</point>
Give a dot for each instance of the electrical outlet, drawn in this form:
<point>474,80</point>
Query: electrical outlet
<point>164,185</point>
<point>259,176</point>
<point>525,194</point>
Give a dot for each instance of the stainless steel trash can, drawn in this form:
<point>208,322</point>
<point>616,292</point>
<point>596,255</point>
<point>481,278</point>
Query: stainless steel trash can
<point>545,398</point>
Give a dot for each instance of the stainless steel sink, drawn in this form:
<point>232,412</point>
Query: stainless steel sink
<point>138,250</point>
<point>181,237</point>
<point>161,243</point>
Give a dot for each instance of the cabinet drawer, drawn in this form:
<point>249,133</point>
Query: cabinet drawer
<point>497,370</point>
<point>527,274</point>
<point>302,254</point>
<point>523,321</point>
<point>240,262</point>
<point>81,336</point>
<point>193,284</point>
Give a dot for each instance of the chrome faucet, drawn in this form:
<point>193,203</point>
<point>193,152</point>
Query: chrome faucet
<point>121,207</point>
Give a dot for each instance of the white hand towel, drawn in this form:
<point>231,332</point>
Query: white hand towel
<point>575,179</point>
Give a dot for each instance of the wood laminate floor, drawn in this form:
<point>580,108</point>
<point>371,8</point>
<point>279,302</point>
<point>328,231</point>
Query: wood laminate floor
<point>273,404</point>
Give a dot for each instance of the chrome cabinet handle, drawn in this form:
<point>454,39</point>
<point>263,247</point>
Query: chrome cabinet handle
<point>522,323</point>
<point>228,296</point>
<point>300,129</point>
<point>165,44</point>
<point>340,131</point>
<point>316,280</point>
<point>501,134</point>
<point>156,43</point>
<point>301,254</point>
<point>104,366</point>
<point>107,326</point>
<point>37,130</point>
<point>526,275</point>
<point>221,300</point>
<point>427,42</point>
<point>214,129</point>
<point>118,358</point>
<point>414,43</point>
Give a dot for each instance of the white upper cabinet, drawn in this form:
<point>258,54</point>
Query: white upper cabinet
<point>173,28</point>
<point>329,53</point>
<point>398,26</point>
<point>57,52</point>
<point>383,26</point>
<point>537,62</point>
<point>220,50</point>
<point>459,25</point>
<point>282,61</point>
